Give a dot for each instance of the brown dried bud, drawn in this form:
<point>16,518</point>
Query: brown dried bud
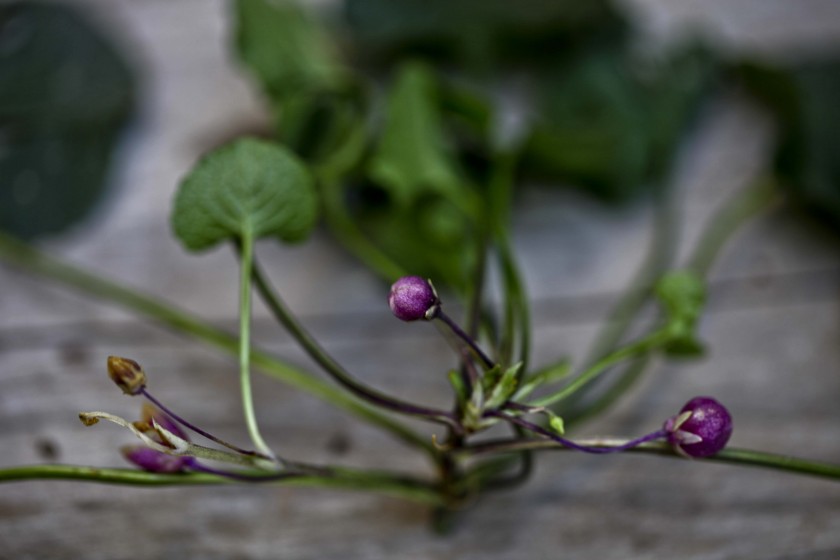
<point>127,374</point>
<point>88,419</point>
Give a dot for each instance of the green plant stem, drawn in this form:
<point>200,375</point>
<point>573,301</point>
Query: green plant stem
<point>351,479</point>
<point>518,311</point>
<point>525,459</point>
<point>634,349</point>
<point>517,315</point>
<point>37,262</point>
<point>631,374</point>
<point>724,223</point>
<point>660,255</point>
<point>245,267</point>
<point>472,325</point>
<point>730,455</point>
<point>465,338</point>
<point>282,313</point>
<point>743,206</point>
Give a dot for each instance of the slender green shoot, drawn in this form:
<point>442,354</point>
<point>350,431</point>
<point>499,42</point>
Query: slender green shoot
<point>387,483</point>
<point>245,268</point>
<point>638,348</point>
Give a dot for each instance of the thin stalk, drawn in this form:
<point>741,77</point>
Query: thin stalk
<point>476,295</point>
<point>517,315</point>
<point>663,241</point>
<point>620,385</point>
<point>468,373</point>
<point>37,262</point>
<point>245,268</point>
<point>518,302</point>
<point>576,445</point>
<point>459,332</point>
<point>351,479</point>
<point>282,313</point>
<point>243,477</point>
<point>634,349</point>
<point>743,206</point>
<point>737,456</point>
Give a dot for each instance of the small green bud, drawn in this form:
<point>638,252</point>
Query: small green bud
<point>127,374</point>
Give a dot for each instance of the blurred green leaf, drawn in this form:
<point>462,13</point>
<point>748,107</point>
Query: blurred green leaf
<point>317,124</point>
<point>677,83</point>
<point>461,393</point>
<point>284,47</point>
<point>247,189</point>
<point>65,95</point>
<point>478,35</point>
<point>412,156</point>
<point>316,103</point>
<point>591,127</point>
<point>432,237</point>
<point>502,387</point>
<point>413,201</point>
<point>611,124</point>
<point>804,101</point>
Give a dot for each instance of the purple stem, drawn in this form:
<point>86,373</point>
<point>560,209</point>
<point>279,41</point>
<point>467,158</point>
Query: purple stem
<point>658,434</point>
<point>245,477</point>
<point>198,430</point>
<point>459,332</point>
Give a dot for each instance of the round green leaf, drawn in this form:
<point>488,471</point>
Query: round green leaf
<point>248,188</point>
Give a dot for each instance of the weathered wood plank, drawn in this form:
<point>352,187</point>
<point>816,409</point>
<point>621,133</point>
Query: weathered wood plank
<point>773,328</point>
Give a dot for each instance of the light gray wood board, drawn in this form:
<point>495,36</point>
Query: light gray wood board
<point>772,327</point>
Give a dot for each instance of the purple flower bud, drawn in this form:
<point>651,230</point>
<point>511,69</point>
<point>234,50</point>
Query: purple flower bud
<point>127,374</point>
<point>701,429</point>
<point>413,298</point>
<point>155,461</point>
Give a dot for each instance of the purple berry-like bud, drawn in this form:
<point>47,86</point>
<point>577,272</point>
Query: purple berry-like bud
<point>701,429</point>
<point>154,461</point>
<point>413,298</point>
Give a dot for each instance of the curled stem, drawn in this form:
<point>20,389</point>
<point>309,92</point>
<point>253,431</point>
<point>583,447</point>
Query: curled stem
<point>282,313</point>
<point>658,434</point>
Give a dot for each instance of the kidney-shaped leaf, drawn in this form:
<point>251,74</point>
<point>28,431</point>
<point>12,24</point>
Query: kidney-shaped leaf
<point>247,189</point>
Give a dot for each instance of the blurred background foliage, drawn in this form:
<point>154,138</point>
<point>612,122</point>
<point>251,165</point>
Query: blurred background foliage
<point>402,108</point>
<point>65,95</point>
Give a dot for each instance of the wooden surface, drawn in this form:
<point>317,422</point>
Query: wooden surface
<point>773,328</point>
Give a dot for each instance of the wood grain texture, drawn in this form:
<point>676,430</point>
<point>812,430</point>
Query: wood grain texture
<point>773,328</point>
